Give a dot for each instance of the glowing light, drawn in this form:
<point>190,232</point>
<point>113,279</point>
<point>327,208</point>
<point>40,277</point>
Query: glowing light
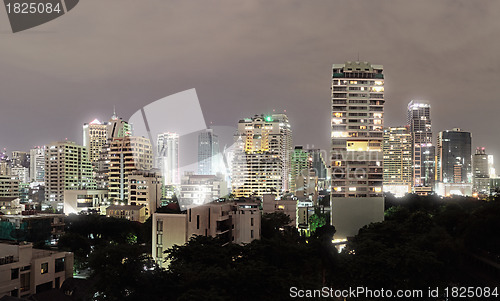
<point>268,118</point>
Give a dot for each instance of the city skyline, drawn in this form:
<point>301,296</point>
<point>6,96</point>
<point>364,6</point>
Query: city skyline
<point>430,56</point>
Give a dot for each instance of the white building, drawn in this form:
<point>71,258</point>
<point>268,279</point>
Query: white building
<point>357,122</point>
<point>208,153</point>
<point>168,157</point>
<point>25,271</point>
<point>197,190</point>
<point>67,167</point>
<point>37,164</point>
<point>234,222</point>
<point>76,201</point>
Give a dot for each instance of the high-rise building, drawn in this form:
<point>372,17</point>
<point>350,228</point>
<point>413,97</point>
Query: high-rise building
<point>127,155</point>
<point>115,128</point>
<point>67,167</point>
<point>208,153</point>
<point>357,122</point>
<point>145,189</point>
<point>398,175</point>
<point>20,159</point>
<point>482,164</point>
<point>95,136</point>
<point>37,164</point>
<point>261,162</point>
<point>168,157</point>
<point>454,156</point>
<point>318,163</point>
<point>423,151</point>
<point>118,128</point>
<point>300,165</point>
<point>9,187</point>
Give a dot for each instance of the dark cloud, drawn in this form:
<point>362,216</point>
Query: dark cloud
<point>248,57</point>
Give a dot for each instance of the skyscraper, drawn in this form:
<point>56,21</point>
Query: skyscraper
<point>67,167</point>
<point>208,153</point>
<point>300,165</point>
<point>357,137</point>
<point>423,151</point>
<point>262,155</point>
<point>483,170</point>
<point>397,160</point>
<point>454,156</point>
<point>127,155</point>
<point>37,164</point>
<point>168,157</point>
<point>95,136</point>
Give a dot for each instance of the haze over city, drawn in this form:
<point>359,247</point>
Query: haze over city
<point>271,56</point>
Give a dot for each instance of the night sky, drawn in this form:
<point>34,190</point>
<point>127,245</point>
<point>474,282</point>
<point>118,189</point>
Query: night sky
<point>249,57</point>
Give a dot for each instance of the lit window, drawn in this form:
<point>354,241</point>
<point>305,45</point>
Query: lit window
<point>44,268</point>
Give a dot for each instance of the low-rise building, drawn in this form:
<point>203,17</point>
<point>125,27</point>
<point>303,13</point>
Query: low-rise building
<point>272,204</point>
<point>25,271</point>
<point>85,200</point>
<point>32,227</point>
<point>233,221</point>
<point>196,190</point>
<point>131,212</point>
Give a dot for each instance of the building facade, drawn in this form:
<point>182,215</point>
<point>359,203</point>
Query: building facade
<point>25,271</point>
<point>145,189</point>
<point>233,222</point>
<point>37,164</point>
<point>454,156</point>
<point>127,155</point>
<point>208,153</point>
<point>168,157</point>
<point>262,156</point>
<point>67,167</point>
<point>423,150</point>
<point>398,174</point>
<point>357,122</point>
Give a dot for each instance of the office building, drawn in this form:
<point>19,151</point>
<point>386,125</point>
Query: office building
<point>168,157</point>
<point>483,169</point>
<point>127,155</point>
<point>423,150</point>
<point>67,167</point>
<point>357,122</point>
<point>262,155</point>
<point>398,175</point>
<point>208,153</point>
<point>454,156</point>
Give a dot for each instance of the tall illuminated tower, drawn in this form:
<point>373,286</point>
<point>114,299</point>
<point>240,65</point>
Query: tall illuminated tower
<point>262,156</point>
<point>37,164</point>
<point>423,151</point>
<point>398,177</point>
<point>95,136</point>
<point>127,155</point>
<point>483,169</point>
<point>356,155</point>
